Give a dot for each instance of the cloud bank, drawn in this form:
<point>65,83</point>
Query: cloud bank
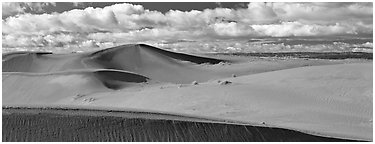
<point>117,24</point>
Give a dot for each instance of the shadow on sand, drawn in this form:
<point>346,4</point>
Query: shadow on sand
<point>22,126</point>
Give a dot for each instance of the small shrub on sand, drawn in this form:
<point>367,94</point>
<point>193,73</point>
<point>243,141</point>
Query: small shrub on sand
<point>194,83</point>
<point>225,82</point>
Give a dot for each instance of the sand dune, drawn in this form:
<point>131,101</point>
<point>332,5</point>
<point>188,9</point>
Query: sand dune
<point>142,50</point>
<point>332,100</point>
<point>154,63</point>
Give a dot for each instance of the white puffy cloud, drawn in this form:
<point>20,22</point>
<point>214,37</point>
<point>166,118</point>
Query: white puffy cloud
<point>258,13</point>
<point>232,29</point>
<point>127,23</point>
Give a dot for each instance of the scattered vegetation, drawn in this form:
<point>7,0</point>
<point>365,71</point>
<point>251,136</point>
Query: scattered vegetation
<point>225,82</point>
<point>310,55</point>
<point>78,96</point>
<point>194,83</point>
<point>89,99</point>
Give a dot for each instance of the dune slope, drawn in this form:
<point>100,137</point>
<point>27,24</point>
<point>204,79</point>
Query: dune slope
<point>330,100</point>
<point>327,100</point>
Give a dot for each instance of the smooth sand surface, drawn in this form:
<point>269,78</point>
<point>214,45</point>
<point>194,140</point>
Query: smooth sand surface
<point>321,97</point>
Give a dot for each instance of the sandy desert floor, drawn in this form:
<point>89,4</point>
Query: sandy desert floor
<point>80,125</point>
<point>331,98</point>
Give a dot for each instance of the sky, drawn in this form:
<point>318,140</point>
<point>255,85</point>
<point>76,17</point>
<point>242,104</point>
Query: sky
<point>191,27</point>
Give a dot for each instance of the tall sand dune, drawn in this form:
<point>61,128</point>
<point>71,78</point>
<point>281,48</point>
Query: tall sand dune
<point>108,53</point>
<point>154,63</point>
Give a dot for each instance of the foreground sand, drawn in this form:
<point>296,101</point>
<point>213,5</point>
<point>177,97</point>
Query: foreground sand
<point>320,97</point>
<point>48,125</point>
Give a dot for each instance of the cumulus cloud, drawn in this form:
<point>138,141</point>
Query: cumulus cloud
<point>127,23</point>
<point>232,29</point>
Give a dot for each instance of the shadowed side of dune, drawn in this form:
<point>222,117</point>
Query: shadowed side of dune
<point>49,127</point>
<point>182,56</point>
<point>115,79</point>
